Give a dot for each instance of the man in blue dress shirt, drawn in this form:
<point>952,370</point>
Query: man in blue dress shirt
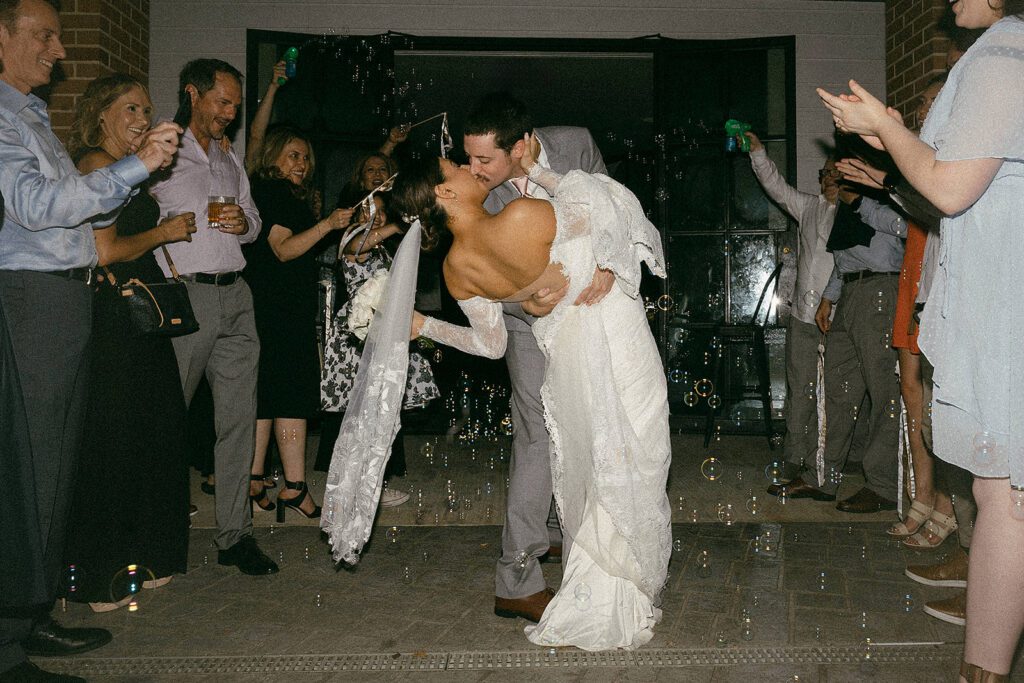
<point>47,256</point>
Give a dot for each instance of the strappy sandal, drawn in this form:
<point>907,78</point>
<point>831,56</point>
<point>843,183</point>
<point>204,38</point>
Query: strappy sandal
<point>261,499</point>
<point>919,512</point>
<point>938,526</point>
<point>296,503</point>
<point>973,673</point>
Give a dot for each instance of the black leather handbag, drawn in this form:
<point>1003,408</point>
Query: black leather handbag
<point>158,309</point>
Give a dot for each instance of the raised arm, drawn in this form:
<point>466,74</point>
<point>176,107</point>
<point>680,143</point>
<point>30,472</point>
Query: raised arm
<point>261,119</point>
<point>486,336</point>
<point>774,185</point>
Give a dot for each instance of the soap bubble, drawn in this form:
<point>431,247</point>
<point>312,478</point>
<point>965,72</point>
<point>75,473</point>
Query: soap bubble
<point>773,471</point>
<point>711,469</point>
<point>127,584</point>
<point>985,448</point>
<point>690,399</point>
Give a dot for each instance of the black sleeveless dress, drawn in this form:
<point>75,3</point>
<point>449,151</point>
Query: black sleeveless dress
<point>130,504</point>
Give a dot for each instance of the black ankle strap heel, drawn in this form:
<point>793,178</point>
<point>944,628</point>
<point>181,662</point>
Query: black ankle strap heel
<point>296,502</point>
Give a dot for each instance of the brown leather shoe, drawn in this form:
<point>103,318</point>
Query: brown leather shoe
<point>798,488</point>
<point>530,608</point>
<point>951,573</point>
<point>951,610</point>
<point>864,501</point>
<point>552,556</point>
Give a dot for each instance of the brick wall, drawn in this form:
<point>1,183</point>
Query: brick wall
<point>101,37</point>
<point>915,49</point>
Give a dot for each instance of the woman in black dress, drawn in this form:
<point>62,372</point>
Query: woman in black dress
<point>282,272</point>
<point>130,505</point>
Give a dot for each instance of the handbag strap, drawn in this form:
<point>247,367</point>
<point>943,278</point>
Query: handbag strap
<point>170,263</point>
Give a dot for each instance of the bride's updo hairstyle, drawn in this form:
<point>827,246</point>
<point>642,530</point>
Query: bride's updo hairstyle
<point>413,196</point>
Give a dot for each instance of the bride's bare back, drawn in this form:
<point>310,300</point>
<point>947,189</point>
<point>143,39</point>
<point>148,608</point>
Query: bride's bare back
<point>505,257</point>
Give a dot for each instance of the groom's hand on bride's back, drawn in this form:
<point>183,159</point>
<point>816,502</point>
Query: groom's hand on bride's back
<point>598,288</point>
<point>544,301</point>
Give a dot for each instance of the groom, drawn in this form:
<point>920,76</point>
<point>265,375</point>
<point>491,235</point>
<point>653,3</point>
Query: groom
<point>493,141</point>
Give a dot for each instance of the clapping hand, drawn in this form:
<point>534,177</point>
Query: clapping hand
<point>859,113</point>
<point>861,172</point>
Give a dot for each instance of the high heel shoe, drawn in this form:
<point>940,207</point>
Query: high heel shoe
<point>296,502</point>
<point>261,499</point>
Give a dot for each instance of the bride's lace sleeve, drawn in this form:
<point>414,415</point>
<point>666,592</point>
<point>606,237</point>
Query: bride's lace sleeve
<point>545,177</point>
<point>486,336</point>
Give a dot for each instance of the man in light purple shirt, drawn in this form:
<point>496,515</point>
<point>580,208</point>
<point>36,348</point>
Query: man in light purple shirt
<point>226,348</point>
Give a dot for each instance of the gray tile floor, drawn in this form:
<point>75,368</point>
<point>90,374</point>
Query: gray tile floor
<point>421,608</point>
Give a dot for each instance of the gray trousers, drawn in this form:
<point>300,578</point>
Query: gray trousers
<point>44,329</point>
<point>530,527</point>
<point>802,341</point>
<point>859,360</point>
<point>955,481</point>
<point>226,350</point>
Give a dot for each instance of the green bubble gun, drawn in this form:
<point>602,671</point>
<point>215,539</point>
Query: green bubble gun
<point>736,139</point>
<point>291,59</point>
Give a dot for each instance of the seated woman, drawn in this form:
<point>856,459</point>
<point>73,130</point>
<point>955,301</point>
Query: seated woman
<point>604,389</point>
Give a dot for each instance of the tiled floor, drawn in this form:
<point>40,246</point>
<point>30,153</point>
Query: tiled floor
<point>421,608</point>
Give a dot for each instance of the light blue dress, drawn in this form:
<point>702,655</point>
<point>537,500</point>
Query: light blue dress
<point>972,329</point>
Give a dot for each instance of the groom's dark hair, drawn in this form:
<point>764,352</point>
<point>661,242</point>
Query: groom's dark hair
<point>501,114</point>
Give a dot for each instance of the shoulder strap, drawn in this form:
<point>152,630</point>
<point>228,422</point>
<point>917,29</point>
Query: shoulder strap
<point>170,263</point>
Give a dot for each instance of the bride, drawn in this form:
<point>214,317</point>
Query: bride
<point>604,389</point>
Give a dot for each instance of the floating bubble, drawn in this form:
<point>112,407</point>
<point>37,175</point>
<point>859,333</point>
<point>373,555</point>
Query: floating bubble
<point>908,603</point>
<point>127,584</point>
<point>812,298</point>
<point>811,391</point>
<point>582,594</point>
<point>753,506</point>
<point>727,515</point>
<point>521,560</point>
<point>72,580</point>
<point>985,448</point>
<point>715,401</point>
<point>704,387</point>
<point>318,601</point>
<point>704,565</point>
<point>677,545</point>
<point>1017,503</point>
<point>822,581</point>
<point>675,375</point>
<point>711,469</point>
<point>427,450</point>
<point>694,516</point>
<point>720,639</point>
<point>681,504</point>
<point>747,630</point>
<point>391,535</point>
<point>773,471</point>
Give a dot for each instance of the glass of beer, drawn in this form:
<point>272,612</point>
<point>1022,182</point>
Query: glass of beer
<point>217,202</point>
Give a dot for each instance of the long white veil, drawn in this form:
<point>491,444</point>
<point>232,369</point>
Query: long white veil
<point>372,418</point>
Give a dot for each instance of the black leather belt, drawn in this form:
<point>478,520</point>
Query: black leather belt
<point>86,275</point>
<point>863,275</point>
<point>219,279</point>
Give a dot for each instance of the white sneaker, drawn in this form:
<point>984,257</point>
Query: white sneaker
<point>390,498</point>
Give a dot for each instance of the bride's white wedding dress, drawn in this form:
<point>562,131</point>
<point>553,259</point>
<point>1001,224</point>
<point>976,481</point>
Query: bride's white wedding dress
<point>605,405</point>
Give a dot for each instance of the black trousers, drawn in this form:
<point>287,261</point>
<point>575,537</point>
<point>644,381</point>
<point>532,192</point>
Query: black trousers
<point>45,324</point>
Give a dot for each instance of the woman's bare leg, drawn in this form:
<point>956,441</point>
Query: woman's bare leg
<point>290,433</point>
<point>995,582</point>
<point>912,390</point>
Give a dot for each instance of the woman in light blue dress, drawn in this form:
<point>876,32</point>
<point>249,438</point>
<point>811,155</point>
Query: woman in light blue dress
<point>969,162</point>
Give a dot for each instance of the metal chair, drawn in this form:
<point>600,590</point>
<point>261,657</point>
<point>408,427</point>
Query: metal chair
<point>750,333</point>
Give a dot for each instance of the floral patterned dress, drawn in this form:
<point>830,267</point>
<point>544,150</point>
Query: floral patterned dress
<point>342,352</point>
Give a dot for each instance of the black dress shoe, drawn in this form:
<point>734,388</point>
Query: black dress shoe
<point>798,488</point>
<point>248,557</point>
<point>865,501</point>
<point>208,488</point>
<point>27,672</point>
<point>552,556</point>
<point>50,639</point>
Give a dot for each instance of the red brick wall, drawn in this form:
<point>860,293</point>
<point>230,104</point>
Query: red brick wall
<point>101,37</point>
<point>915,49</point>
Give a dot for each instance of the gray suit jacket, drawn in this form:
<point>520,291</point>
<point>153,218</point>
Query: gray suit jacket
<point>568,148</point>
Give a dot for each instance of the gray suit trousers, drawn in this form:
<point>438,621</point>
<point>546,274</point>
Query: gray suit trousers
<point>528,527</point>
<point>226,350</point>
<point>859,361</point>
<point>801,400</point>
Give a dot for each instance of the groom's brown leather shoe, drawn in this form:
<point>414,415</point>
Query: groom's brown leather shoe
<point>530,608</point>
<point>798,488</point>
<point>865,501</point>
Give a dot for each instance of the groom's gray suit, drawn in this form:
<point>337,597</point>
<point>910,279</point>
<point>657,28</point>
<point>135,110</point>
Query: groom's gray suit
<point>529,491</point>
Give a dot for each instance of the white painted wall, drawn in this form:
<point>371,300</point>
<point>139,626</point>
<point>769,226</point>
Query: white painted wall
<point>834,40</point>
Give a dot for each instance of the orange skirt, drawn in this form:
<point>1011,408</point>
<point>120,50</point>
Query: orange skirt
<point>904,330</point>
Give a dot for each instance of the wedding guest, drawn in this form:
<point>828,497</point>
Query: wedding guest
<point>47,260</point>
<point>226,348</point>
<point>967,162</point>
<point>135,416</point>
<point>282,273</point>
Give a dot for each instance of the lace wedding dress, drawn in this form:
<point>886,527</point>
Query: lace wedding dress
<point>605,405</point>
